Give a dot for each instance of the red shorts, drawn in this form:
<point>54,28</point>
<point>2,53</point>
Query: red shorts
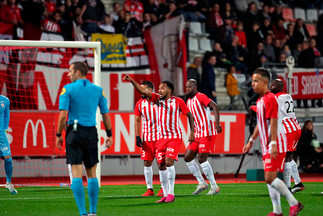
<point>167,148</point>
<point>148,150</point>
<point>202,145</point>
<point>272,164</point>
<point>292,140</point>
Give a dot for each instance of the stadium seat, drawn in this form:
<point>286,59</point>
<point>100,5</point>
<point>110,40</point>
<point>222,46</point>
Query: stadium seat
<point>193,44</point>
<point>299,13</point>
<point>288,14</point>
<point>311,28</point>
<point>205,44</point>
<point>311,15</point>
<point>196,28</point>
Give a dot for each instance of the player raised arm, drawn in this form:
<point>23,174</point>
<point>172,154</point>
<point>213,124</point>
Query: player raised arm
<point>252,139</point>
<point>191,121</point>
<point>107,124</point>
<point>138,87</point>
<point>215,109</point>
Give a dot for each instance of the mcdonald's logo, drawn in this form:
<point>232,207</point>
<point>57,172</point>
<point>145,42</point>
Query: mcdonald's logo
<point>34,130</point>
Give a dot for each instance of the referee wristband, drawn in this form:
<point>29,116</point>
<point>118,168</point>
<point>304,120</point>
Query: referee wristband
<point>58,134</point>
<point>251,140</point>
<point>109,132</point>
<point>272,143</point>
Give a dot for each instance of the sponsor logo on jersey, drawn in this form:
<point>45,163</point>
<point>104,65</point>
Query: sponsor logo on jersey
<point>170,149</point>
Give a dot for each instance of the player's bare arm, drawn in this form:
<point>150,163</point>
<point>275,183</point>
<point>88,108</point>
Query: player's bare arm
<point>216,112</point>
<point>137,131</point>
<point>61,124</point>
<point>107,124</point>
<point>273,138</point>
<point>252,139</point>
<point>191,121</point>
<point>138,86</point>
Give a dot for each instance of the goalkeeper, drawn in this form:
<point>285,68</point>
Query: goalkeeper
<point>79,100</point>
<point>5,151</point>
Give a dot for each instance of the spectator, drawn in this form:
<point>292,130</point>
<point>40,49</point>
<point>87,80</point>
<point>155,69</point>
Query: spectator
<point>277,14</point>
<point>239,32</point>
<point>237,55</point>
<point>228,30</point>
<point>296,52</point>
<point>193,71</point>
<point>277,47</point>
<point>106,25</point>
<point>155,20</point>
<point>173,10</point>
<point>208,76</point>
<point>147,22</point>
<point>191,10</point>
<point>309,149</point>
<point>31,15</point>
<point>131,27</point>
<point>114,13</point>
<point>282,60</point>
<point>135,7</point>
<point>52,24</point>
<point>254,37</point>
<point>266,28</point>
<point>257,57</point>
<point>231,84</point>
<point>72,10</point>
<point>269,49</point>
<point>286,50</point>
<point>229,12</point>
<point>300,32</point>
<point>10,13</point>
<point>318,61</point>
<point>119,25</point>
<point>220,55</point>
<point>264,14</point>
<point>306,58</point>
<point>92,14</point>
<point>215,20</point>
<point>250,17</point>
<point>279,30</point>
<point>290,39</point>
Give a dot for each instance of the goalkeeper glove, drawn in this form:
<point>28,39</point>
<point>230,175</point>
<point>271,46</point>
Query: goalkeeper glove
<point>138,141</point>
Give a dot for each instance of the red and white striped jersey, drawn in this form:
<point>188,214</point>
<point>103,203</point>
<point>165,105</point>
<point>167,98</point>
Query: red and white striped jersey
<point>267,108</point>
<point>149,115</point>
<point>287,110</point>
<point>51,26</point>
<point>203,123</point>
<point>168,111</point>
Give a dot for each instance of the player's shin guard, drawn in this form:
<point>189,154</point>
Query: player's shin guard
<point>193,167</point>
<point>283,190</point>
<point>287,174</point>
<point>171,179</point>
<point>148,172</point>
<point>163,177</point>
<point>275,199</point>
<point>93,191</point>
<point>208,171</point>
<point>8,168</point>
<point>295,173</point>
<point>78,191</point>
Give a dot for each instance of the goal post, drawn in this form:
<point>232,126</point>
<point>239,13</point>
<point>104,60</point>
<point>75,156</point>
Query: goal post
<point>36,93</point>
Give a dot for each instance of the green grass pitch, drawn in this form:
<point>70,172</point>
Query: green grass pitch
<point>234,199</point>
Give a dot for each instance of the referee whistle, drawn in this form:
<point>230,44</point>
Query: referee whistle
<point>75,125</point>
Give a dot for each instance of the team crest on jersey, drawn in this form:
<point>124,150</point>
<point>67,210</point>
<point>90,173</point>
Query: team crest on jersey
<point>63,91</point>
<point>172,103</point>
<point>2,105</point>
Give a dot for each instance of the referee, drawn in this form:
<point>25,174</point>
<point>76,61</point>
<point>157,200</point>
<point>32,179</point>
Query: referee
<point>79,100</point>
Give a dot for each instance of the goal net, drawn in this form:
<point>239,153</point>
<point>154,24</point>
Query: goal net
<point>32,75</point>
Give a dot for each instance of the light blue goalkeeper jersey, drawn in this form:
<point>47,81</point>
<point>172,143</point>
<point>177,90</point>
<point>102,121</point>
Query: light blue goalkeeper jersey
<point>5,113</point>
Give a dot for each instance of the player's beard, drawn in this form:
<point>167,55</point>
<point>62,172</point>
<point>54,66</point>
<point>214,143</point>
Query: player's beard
<point>274,91</point>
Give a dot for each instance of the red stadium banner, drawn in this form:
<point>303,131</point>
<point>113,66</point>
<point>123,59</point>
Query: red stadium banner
<point>33,134</point>
<point>307,85</point>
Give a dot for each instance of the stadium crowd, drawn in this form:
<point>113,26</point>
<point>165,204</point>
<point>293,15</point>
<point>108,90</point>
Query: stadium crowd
<point>245,33</point>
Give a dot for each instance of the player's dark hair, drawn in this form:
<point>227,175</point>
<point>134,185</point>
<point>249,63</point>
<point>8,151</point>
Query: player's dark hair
<point>169,85</point>
<point>148,83</point>
<point>262,72</point>
<point>81,66</point>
